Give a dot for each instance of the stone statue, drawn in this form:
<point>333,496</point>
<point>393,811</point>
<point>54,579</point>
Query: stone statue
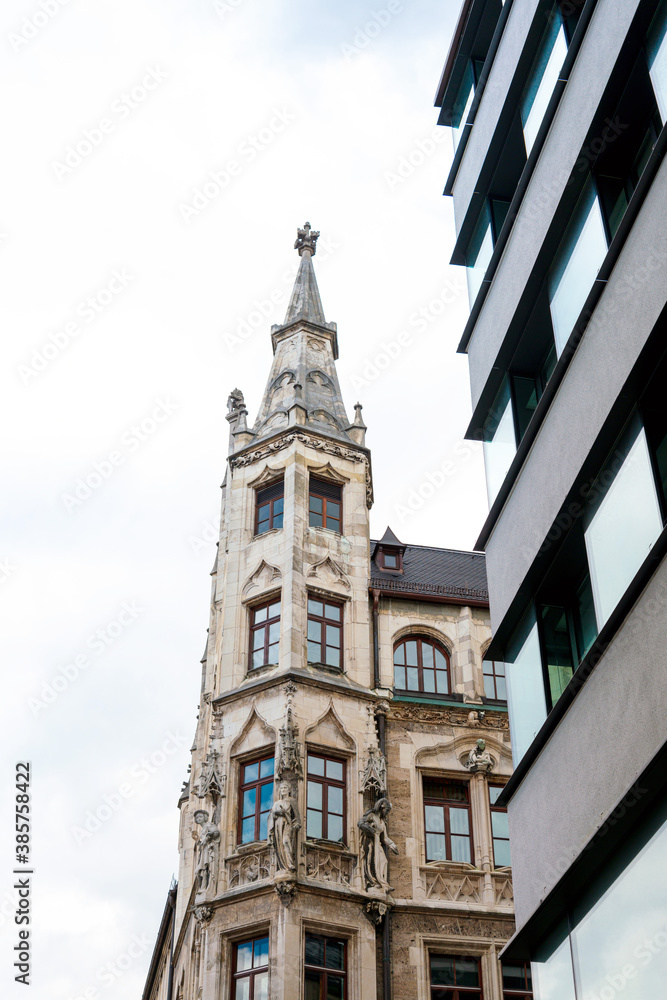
<point>479,759</point>
<point>284,821</point>
<point>207,849</point>
<point>235,401</point>
<point>374,845</point>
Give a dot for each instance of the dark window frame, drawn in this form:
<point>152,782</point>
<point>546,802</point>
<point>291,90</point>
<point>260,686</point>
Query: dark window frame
<point>419,639</point>
<point>523,994</point>
<point>245,786</point>
<point>263,626</point>
<point>325,622</point>
<point>322,970</point>
<point>496,809</point>
<point>271,501</point>
<point>392,553</point>
<point>250,973</point>
<point>445,805</point>
<point>455,992</point>
<point>327,492</point>
<point>326,782</point>
<point>494,675</point>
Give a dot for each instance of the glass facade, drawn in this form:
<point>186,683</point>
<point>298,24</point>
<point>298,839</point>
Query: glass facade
<point>525,692</point>
<point>617,945</point>
<point>656,50</point>
<point>462,105</point>
<point>543,77</point>
<point>499,442</point>
<point>480,250</point>
<point>577,263</point>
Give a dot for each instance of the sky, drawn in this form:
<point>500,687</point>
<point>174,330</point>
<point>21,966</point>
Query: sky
<point>158,157</point>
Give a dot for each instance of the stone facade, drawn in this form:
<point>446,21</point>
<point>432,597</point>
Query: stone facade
<point>374,888</point>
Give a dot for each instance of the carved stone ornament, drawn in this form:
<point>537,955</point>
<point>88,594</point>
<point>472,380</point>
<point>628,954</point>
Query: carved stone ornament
<point>329,866</point>
<point>235,401</point>
<point>203,914</point>
<point>246,869</point>
<point>306,239</point>
<point>208,843</point>
<point>375,843</point>
<point>443,716</point>
<point>289,749</point>
<point>479,759</point>
<point>284,822</point>
<point>286,889</point>
<point>374,774</point>
<point>375,911</point>
<point>213,780</point>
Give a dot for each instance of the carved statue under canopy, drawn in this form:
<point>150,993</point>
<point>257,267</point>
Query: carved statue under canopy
<point>284,821</point>
<point>207,849</point>
<point>375,843</point>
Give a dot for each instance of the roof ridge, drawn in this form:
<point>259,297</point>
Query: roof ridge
<point>436,548</point>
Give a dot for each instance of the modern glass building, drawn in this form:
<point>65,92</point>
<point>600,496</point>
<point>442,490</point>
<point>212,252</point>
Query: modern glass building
<point>560,195</point>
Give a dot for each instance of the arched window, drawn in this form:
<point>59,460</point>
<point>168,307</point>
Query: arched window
<point>421,664</point>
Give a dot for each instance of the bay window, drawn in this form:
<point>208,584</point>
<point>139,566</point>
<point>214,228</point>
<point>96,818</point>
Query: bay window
<point>325,972</point>
<point>255,799</point>
<point>447,821</point>
<point>325,798</point>
<point>264,634</point>
<point>250,973</point>
<point>325,632</point>
<point>269,507</point>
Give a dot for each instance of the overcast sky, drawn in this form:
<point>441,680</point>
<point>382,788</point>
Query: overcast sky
<point>157,159</point>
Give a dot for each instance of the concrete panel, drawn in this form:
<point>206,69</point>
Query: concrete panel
<point>623,320</point>
<point>608,736</point>
<point>597,57</point>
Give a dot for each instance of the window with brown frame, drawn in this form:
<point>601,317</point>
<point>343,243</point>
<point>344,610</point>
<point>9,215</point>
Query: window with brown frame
<point>390,559</point>
<point>455,977</point>
<point>325,968</point>
<point>447,821</point>
<point>250,970</point>
<point>494,680</point>
<point>325,632</point>
<point>264,634</point>
<point>269,507</point>
<point>499,829</point>
<point>517,981</point>
<point>421,665</point>
<point>255,799</point>
<point>325,504</point>
<point>325,798</point>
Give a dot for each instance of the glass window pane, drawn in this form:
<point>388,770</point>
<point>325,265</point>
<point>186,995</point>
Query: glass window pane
<point>249,800</point>
<point>335,954</point>
<point>314,631</point>
<point>314,824</point>
<point>312,991</point>
<point>460,849</point>
<point>442,970</point>
<point>266,796</point>
<point>248,830</point>
<point>501,853</point>
<point>315,608</point>
<point>244,956</point>
<point>494,793</point>
<point>261,956</point>
<point>542,79</point>
<point>335,799</point>
<point>413,679</point>
<point>467,972</point>
<point>501,688</point>
<point>263,826</point>
<point>435,819</point>
<point>333,635</point>
<point>242,989</point>
<point>462,105</point>
<point>440,660</point>
<point>552,974</point>
<point>656,48</point>
<point>278,507</point>
<point>277,520</point>
<point>333,657</point>
<point>250,773</point>
<point>399,655</point>
<point>333,509</point>
<point>500,824</point>
<point>334,988</point>
<point>514,977</point>
<point>499,443</point>
<point>480,251</point>
<point>315,765</point>
<point>314,652</point>
<point>335,827</point>
<point>458,820</point>
<point>273,653</point>
<point>333,525</point>
<point>332,611</point>
<point>623,529</point>
<point>335,770</point>
<point>442,682</point>
<point>260,615</point>
<point>258,637</point>
<point>436,849</point>
<point>429,680</point>
<point>274,632</point>
<point>526,699</point>
<point>489,687</point>
<point>314,795</point>
<point>266,768</point>
<point>315,520</point>
<point>390,561</point>
<point>399,678</point>
<point>411,653</point>
<point>274,609</point>
<point>316,504</point>
<point>261,991</point>
<point>427,656</point>
<point>577,263</point>
<point>314,950</point>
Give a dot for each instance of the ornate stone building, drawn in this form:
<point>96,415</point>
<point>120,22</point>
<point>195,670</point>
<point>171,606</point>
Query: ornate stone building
<point>338,837</point>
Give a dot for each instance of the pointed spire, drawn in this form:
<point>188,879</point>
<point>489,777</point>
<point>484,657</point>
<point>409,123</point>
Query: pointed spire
<point>305,302</point>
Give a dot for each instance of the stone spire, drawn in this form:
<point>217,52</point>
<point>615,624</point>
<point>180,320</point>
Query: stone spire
<point>302,389</point>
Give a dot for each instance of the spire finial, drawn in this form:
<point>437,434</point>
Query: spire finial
<point>306,240</point>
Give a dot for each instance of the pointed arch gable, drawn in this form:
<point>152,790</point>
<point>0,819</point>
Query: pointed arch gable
<point>329,731</point>
<point>262,578</point>
<point>328,472</point>
<point>269,474</point>
<point>328,573</point>
<point>255,734</point>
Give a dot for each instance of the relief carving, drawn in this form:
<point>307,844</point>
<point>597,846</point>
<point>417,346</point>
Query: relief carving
<point>329,866</point>
<point>246,869</point>
<point>456,887</point>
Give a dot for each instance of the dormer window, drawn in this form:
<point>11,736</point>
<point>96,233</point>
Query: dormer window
<point>269,507</point>
<point>388,553</point>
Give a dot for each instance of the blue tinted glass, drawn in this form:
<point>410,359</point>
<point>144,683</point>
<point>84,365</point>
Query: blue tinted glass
<point>249,800</point>
<point>244,956</point>
<point>314,795</point>
<point>316,505</point>
<point>525,689</point>
<point>263,826</point>
<point>266,768</point>
<point>335,827</point>
<point>429,680</point>
<point>250,773</point>
<point>335,770</point>
<point>333,657</point>
<point>315,765</point>
<point>435,819</point>
<point>333,635</point>
<point>315,520</point>
<point>458,820</point>
<point>266,796</point>
<point>413,679</point>
<point>501,853</point>
<point>248,830</point>
<point>278,507</point>
<point>489,688</point>
<point>494,793</point>
<point>499,442</point>
<point>656,48</point>
<point>277,520</point>
<point>261,956</point>
<point>500,824</point>
<point>314,652</point>
<point>480,251</point>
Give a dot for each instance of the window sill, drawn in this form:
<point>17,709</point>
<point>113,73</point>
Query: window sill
<point>256,671</point>
<point>327,668</point>
<point>327,845</point>
<point>255,845</point>
<point>263,534</point>
<point>428,697</point>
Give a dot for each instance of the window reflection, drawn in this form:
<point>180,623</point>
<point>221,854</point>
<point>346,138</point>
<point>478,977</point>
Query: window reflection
<point>525,691</point>
<point>543,78</point>
<point>479,254</point>
<point>656,50</point>
<point>499,442</point>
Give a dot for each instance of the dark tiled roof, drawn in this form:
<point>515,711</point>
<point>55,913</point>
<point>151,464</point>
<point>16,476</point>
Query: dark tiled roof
<point>435,572</point>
